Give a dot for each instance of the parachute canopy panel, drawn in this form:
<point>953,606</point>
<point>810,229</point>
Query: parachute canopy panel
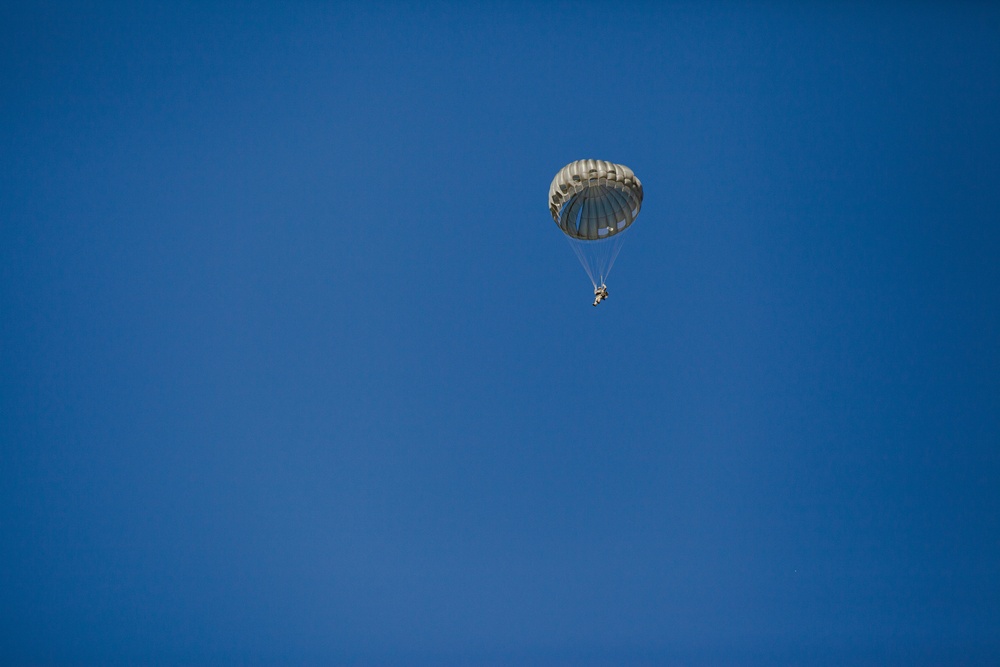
<point>591,200</point>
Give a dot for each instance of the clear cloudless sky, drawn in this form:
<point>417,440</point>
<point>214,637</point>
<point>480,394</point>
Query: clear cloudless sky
<point>295,367</point>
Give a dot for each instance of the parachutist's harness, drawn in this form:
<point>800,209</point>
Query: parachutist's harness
<point>600,293</point>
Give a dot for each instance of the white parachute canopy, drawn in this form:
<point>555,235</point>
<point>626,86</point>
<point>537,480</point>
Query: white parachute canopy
<point>594,202</point>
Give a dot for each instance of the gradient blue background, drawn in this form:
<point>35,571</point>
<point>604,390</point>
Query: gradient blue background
<point>296,369</point>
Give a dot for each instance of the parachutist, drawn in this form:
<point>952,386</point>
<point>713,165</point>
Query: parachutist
<point>600,293</point>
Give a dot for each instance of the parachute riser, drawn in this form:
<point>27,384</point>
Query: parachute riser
<point>597,257</point>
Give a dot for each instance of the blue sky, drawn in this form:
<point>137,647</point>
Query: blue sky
<point>295,367</point>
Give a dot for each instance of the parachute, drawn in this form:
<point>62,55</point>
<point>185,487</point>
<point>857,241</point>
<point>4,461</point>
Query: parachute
<point>594,203</point>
